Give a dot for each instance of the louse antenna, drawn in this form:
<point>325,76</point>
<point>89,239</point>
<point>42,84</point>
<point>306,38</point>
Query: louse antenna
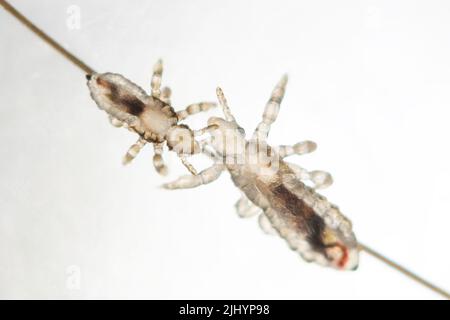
<point>83,66</point>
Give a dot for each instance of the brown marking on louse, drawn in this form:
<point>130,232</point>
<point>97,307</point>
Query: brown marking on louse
<point>310,223</point>
<point>149,115</point>
<point>133,105</point>
<point>169,111</point>
<point>152,137</point>
<point>296,211</point>
<point>305,218</point>
<point>127,103</point>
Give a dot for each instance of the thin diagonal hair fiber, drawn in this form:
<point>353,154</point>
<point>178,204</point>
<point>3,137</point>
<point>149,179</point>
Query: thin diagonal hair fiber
<point>87,69</point>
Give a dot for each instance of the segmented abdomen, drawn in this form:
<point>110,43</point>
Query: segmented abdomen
<point>309,223</point>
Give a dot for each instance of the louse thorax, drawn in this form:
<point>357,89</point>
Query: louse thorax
<point>227,138</point>
<point>127,102</point>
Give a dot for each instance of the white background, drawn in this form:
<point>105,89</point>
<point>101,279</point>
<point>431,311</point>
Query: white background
<point>369,82</point>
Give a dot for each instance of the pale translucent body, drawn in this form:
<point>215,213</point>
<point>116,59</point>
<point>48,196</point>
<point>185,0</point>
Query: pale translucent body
<point>275,189</point>
<point>150,116</point>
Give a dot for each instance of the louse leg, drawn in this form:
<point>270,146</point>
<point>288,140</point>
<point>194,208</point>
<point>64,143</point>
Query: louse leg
<point>187,164</point>
<point>165,95</point>
<point>299,148</point>
<point>265,225</point>
<point>224,104</point>
<point>156,78</point>
<point>199,147</point>
<point>202,131</point>
<point>245,208</point>
<point>271,110</point>
<point>207,150</point>
<point>195,108</point>
<point>204,177</point>
<point>320,179</point>
<point>203,144</point>
<point>115,122</point>
<point>209,153</point>
<point>133,151</point>
<point>158,161</point>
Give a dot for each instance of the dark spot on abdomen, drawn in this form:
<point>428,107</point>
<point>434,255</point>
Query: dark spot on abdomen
<point>132,105</point>
<point>306,220</point>
<point>126,103</point>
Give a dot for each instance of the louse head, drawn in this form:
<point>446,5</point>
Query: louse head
<point>228,138</point>
<point>181,139</point>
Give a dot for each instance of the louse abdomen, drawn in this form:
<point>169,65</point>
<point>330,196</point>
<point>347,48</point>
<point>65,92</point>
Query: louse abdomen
<point>303,216</point>
<point>299,215</point>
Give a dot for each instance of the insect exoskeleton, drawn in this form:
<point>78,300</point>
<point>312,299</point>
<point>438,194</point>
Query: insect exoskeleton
<point>275,189</point>
<point>150,116</point>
